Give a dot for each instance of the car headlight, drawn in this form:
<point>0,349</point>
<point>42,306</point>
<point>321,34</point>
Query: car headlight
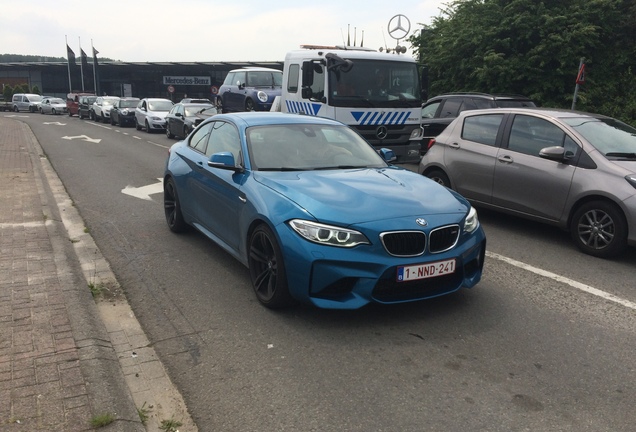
<point>472,221</point>
<point>262,96</point>
<point>327,234</point>
<point>124,112</point>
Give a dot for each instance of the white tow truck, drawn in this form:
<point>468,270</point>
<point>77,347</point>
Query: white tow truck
<point>376,93</point>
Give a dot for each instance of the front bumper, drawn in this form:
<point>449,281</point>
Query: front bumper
<point>336,278</point>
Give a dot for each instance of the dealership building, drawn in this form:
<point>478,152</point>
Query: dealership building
<point>170,80</point>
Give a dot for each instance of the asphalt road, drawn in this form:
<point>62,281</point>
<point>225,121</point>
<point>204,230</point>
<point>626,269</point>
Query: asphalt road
<point>545,342</point>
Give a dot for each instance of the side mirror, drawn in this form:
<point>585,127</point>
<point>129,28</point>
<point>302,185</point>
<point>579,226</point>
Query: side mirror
<point>388,155</point>
<point>224,160</point>
<point>555,153</point>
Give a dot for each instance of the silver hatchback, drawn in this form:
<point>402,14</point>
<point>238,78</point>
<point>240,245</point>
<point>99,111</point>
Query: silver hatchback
<point>570,169</point>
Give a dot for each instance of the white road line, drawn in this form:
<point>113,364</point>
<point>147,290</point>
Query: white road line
<point>574,284</point>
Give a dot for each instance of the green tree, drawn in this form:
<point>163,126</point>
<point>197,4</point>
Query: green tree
<point>7,92</point>
<point>534,48</point>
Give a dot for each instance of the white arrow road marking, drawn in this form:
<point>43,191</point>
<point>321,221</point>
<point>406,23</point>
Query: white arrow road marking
<point>55,123</point>
<point>16,115</point>
<point>144,192</point>
<point>83,138</point>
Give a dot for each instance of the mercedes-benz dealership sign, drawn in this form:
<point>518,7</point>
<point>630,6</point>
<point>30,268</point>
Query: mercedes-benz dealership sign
<point>187,80</point>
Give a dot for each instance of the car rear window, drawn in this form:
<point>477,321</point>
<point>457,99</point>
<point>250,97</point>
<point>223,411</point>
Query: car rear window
<point>482,128</point>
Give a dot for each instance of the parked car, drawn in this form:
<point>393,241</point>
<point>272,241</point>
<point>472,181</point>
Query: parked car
<point>85,106</point>
<point>52,105</point>
<point>184,117</point>
<point>317,215</point>
<point>150,114</point>
<point>123,111</point>
<point>5,105</point>
<point>570,169</point>
<point>26,102</point>
<point>73,102</point>
<point>195,100</point>
<point>102,107</point>
<point>439,111</point>
<point>250,89</point>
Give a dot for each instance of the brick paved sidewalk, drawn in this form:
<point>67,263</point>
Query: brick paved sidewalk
<point>58,368</point>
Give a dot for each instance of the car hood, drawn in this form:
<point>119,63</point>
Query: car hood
<point>355,196</point>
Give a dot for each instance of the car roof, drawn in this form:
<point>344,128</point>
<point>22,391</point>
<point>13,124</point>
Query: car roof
<point>257,69</point>
<point>263,118</point>
<point>557,113</point>
<point>490,96</point>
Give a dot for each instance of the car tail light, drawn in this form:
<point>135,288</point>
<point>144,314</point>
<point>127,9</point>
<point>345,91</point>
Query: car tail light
<point>431,142</point>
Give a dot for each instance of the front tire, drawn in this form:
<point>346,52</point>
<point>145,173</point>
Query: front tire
<point>267,269</point>
<point>137,125</point>
<point>599,229</point>
<point>249,105</point>
<point>168,133</point>
<point>148,127</point>
<point>172,208</point>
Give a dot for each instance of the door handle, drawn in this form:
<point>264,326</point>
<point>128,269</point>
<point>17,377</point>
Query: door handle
<point>505,159</point>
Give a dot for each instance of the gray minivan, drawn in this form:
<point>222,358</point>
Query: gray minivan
<point>26,102</point>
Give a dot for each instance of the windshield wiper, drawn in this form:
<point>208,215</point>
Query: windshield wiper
<point>283,169</point>
<point>621,155</point>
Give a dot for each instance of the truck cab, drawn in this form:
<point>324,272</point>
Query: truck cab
<point>377,94</point>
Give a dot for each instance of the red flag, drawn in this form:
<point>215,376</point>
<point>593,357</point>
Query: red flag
<point>580,78</point>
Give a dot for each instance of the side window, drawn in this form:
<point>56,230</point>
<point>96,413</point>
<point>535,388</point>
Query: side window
<point>224,138</point>
<point>451,107</point>
<point>318,86</point>
<point>428,111</point>
<point>530,134</point>
<point>468,104</point>
<point>229,79</point>
<point>482,128</point>
<point>293,76</point>
<point>239,78</point>
<point>199,139</point>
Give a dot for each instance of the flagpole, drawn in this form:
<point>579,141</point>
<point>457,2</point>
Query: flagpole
<point>94,68</point>
<point>68,64</point>
<point>81,62</point>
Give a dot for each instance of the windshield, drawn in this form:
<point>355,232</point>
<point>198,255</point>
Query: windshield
<point>128,103</point>
<point>374,83</point>
<point>160,105</point>
<point>611,137</point>
<point>109,101</point>
<point>35,98</point>
<point>308,147</point>
<point>57,101</point>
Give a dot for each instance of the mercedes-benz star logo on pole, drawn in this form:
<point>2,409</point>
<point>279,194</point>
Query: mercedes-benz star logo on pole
<point>381,132</point>
<point>399,27</point>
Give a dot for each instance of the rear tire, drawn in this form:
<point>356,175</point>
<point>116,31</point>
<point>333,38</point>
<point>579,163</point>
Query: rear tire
<point>172,208</point>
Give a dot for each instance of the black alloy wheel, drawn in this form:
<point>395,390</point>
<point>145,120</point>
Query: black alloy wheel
<point>267,269</point>
<point>172,208</point>
<point>599,228</point>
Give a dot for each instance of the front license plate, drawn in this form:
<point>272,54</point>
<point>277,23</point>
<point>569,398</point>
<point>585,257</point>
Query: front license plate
<point>423,271</point>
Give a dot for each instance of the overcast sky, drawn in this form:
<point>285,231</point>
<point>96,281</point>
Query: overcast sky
<point>200,30</point>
